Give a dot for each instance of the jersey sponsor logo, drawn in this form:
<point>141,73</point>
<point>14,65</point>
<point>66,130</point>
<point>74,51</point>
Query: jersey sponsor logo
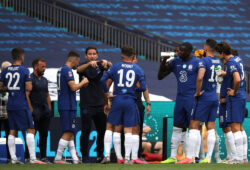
<point>183,76</point>
<point>190,67</point>
<point>70,74</point>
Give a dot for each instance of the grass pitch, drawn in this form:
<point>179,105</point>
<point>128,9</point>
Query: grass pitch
<point>127,167</point>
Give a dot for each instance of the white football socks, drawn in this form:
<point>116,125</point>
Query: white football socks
<point>238,138</point>
<point>12,147</point>
<point>135,146</point>
<point>245,146</point>
<point>231,144</point>
<point>202,153</point>
<point>61,147</point>
<point>184,141</point>
<point>197,148</point>
<point>217,148</point>
<point>72,149</point>
<point>30,140</point>
<point>210,142</point>
<point>128,145</point>
<point>107,142</point>
<point>117,144</point>
<point>192,142</point>
<point>227,148</point>
<point>176,138</point>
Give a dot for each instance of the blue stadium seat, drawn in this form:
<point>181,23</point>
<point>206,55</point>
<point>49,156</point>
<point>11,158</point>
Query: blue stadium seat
<point>182,20</point>
<point>43,40</point>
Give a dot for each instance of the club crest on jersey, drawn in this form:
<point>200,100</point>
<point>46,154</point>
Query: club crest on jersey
<point>70,74</point>
<point>190,67</point>
<point>184,66</point>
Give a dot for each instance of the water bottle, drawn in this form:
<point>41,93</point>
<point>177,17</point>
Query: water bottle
<point>219,79</point>
<point>169,55</point>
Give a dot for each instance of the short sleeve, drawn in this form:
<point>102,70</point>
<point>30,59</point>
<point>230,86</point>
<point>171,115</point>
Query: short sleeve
<point>27,75</point>
<point>141,78</point>
<point>231,67</point>
<point>69,76</point>
<point>141,74</point>
<point>110,72</point>
<point>202,63</point>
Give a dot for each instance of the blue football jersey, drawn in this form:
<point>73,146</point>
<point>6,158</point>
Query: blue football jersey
<point>14,78</point>
<point>66,97</point>
<point>186,74</point>
<point>209,83</point>
<point>125,76</point>
<point>235,64</point>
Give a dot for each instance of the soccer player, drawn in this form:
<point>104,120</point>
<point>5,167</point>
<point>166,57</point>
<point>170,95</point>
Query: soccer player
<point>17,80</point>
<point>235,100</point>
<point>185,68</point>
<point>67,106</point>
<point>124,110</point>
<point>137,131</point>
<point>229,138</point>
<point>206,105</point>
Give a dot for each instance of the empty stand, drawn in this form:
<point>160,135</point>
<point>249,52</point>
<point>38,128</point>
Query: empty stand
<point>182,20</point>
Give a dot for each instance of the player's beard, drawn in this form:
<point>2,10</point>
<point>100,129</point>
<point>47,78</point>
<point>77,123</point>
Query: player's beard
<point>74,67</point>
<point>40,74</point>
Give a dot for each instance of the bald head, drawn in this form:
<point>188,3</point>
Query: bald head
<point>5,64</point>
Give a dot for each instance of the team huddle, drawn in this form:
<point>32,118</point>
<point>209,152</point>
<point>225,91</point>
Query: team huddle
<point>204,86</point>
<point>128,79</point>
<point>203,89</point>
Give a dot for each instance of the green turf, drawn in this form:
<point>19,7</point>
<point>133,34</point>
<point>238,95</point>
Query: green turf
<point>126,167</point>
